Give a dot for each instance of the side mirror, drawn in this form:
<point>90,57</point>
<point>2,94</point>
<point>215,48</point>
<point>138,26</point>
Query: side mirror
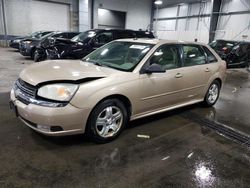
<point>154,68</point>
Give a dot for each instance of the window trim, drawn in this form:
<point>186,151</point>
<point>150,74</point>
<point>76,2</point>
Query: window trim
<point>146,64</point>
<point>215,61</point>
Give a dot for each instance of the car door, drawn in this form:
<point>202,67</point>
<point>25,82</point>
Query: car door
<point>195,72</point>
<point>160,90</point>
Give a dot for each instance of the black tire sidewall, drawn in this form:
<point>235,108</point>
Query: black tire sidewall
<point>90,129</point>
<point>32,53</point>
<point>36,56</point>
<point>206,102</point>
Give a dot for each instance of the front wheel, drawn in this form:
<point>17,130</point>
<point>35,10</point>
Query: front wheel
<point>107,121</point>
<point>248,64</point>
<point>36,56</point>
<point>212,94</point>
<point>32,53</point>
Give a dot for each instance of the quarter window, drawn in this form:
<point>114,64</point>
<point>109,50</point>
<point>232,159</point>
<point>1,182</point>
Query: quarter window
<point>166,56</point>
<point>210,56</point>
<point>193,55</point>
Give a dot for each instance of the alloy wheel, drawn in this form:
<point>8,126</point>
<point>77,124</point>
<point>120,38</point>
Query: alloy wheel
<point>213,93</point>
<point>109,121</point>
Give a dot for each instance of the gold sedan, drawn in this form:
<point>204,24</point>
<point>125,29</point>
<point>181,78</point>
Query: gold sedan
<point>121,81</point>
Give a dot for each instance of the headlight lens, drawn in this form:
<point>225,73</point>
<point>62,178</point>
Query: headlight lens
<point>27,42</point>
<point>17,40</point>
<point>58,92</point>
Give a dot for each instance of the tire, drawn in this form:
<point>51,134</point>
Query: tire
<point>32,53</point>
<point>248,64</point>
<point>212,94</point>
<point>36,56</point>
<point>112,116</point>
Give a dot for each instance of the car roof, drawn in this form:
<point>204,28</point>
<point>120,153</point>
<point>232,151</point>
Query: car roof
<point>160,41</point>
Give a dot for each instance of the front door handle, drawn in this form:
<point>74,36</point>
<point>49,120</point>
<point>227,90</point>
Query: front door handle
<point>207,70</point>
<point>178,75</point>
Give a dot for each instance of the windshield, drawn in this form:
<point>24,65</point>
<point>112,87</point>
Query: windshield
<point>82,36</point>
<point>119,55</point>
<point>49,35</point>
<point>35,34</point>
<point>40,34</point>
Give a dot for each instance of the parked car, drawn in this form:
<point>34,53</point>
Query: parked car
<point>16,41</point>
<point>239,56</point>
<point>28,46</point>
<point>223,47</point>
<point>123,80</point>
<point>45,46</point>
<point>86,42</point>
<point>235,53</point>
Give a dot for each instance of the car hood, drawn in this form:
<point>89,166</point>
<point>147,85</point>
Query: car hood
<point>31,39</point>
<point>64,70</point>
<point>19,38</point>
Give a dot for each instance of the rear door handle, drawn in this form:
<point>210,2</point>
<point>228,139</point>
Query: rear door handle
<point>178,75</point>
<point>207,70</point>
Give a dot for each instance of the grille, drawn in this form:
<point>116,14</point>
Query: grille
<point>21,44</point>
<point>26,88</point>
<point>24,91</point>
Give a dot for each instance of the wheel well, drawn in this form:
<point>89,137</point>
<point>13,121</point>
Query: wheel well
<point>219,80</point>
<point>123,99</point>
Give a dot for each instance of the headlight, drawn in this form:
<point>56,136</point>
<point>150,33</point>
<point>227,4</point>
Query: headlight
<point>17,40</point>
<point>27,42</point>
<point>58,92</point>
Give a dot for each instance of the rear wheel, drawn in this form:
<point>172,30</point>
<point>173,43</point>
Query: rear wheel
<point>107,121</point>
<point>212,94</point>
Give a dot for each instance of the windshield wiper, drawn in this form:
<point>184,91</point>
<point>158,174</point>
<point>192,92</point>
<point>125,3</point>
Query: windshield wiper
<point>94,62</point>
<point>97,63</point>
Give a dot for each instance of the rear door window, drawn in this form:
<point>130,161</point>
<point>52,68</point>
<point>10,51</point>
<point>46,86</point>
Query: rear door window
<point>193,55</point>
<point>167,56</point>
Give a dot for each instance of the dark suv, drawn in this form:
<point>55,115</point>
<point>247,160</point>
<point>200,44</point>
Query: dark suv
<point>86,42</point>
<point>28,46</point>
<point>235,53</point>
